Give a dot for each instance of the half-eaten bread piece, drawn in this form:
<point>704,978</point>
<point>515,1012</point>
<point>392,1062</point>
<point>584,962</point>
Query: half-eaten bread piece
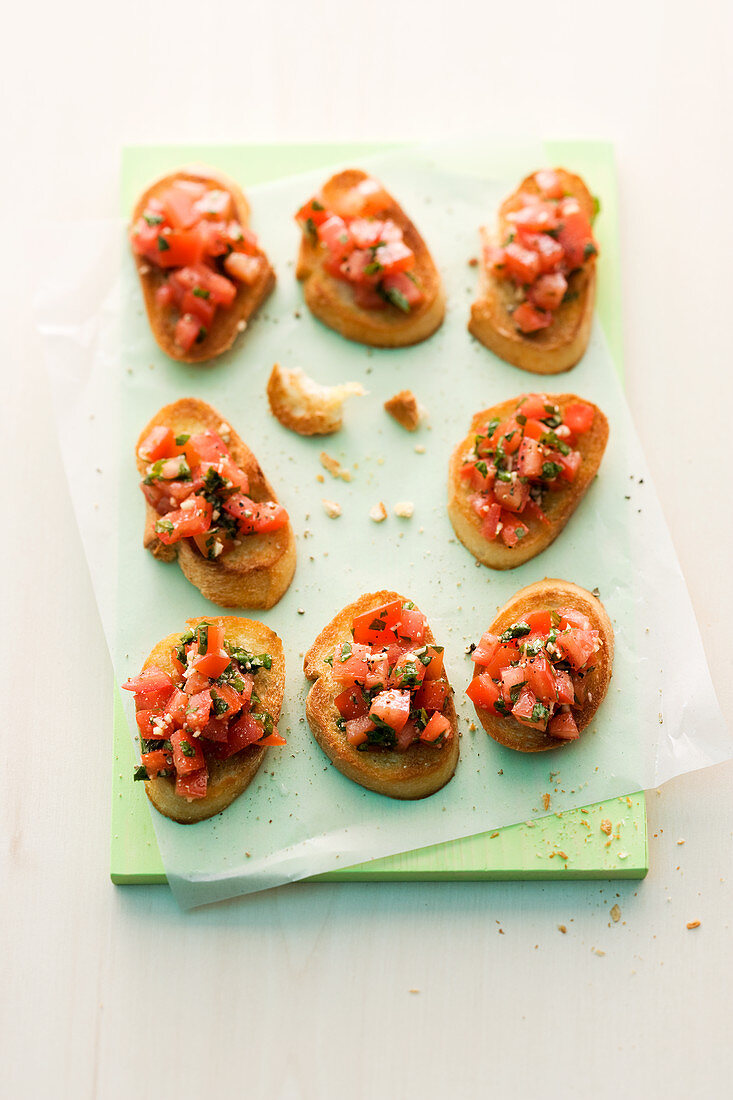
<point>202,272</point>
<point>543,667</point>
<point>366,271</point>
<point>381,707</point>
<point>207,703</point>
<point>537,282</point>
<point>306,407</point>
<point>210,506</point>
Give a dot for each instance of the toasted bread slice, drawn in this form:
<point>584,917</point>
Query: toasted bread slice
<point>560,346</point>
<point>305,406</point>
<point>551,594</point>
<point>332,300</point>
<point>227,323</point>
<point>558,505</point>
<point>227,778</point>
<point>421,770</point>
<point>257,572</point>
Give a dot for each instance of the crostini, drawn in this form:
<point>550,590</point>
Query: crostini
<point>305,406</point>
<point>209,505</point>
<point>366,271</point>
<point>542,669</point>
<point>202,272</point>
<point>538,275</point>
<point>381,707</point>
<point>207,703</point>
<point>519,475</point>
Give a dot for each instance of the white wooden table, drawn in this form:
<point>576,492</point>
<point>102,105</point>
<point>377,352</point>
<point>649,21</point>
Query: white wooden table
<point>314,991</point>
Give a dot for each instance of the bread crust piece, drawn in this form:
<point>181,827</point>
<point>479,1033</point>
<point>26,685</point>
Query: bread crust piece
<point>227,323</point>
<point>306,407</point>
<point>558,347</point>
<point>551,594</point>
<point>258,572</point>
<point>421,770</point>
<point>227,778</point>
<point>332,301</point>
<point>559,504</point>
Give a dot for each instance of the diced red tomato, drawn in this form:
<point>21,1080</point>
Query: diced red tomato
<point>245,269</point>
<point>434,670</point>
<point>570,464</point>
<point>540,622</point>
<point>188,331</point>
<point>530,458</point>
<point>438,726</point>
<point>177,248</point>
<point>155,762</point>
<point>144,719</point>
<point>550,252</point>
<point>522,264</point>
<point>243,731</point>
<point>216,729</point>
<point>354,669</point>
<point>377,670</point>
<point>579,417</point>
<point>549,291</point>
<point>193,785</point>
<point>376,627</point>
<point>549,183</point>
<point>271,740</point>
<point>505,653</point>
<point>197,306</point>
<point>575,234</point>
<point>412,626</point>
<point>334,233</point>
<point>201,277</point>
<point>491,525</point>
<point>407,671</point>
<point>535,216</point>
<point>391,707</point>
<point>212,664</point>
<point>159,443</point>
<point>432,695</point>
<point>185,522</point>
<point>512,495</point>
<point>569,616</point>
<point>234,700</point>
<point>352,703</point>
<point>357,730</point>
<point>176,707</point>
<point>512,529</point>
<point>541,679</point>
<point>195,683</point>
<point>533,509</point>
<point>563,725</point>
<point>256,517</point>
<point>188,756</point>
<point>528,319</point>
<point>483,692</point>
<point>578,646</point>
<point>510,678</point>
<point>179,202</point>
<point>198,710</point>
<point>153,686</point>
<point>523,711</point>
<point>565,692</point>
<point>404,285</point>
<point>485,651</point>
<point>407,736</point>
<point>313,210</point>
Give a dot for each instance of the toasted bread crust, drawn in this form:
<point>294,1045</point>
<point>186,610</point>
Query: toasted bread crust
<point>227,778</point>
<point>227,323</point>
<point>558,347</point>
<point>559,503</point>
<point>258,572</point>
<point>421,770</point>
<point>551,594</point>
<point>304,406</point>
<point>332,300</point>
<point>403,408</point>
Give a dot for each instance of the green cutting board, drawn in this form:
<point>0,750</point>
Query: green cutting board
<point>569,845</point>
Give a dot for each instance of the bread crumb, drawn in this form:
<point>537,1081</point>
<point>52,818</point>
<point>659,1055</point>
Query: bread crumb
<point>606,826</point>
<point>420,448</point>
<point>332,509</point>
<point>404,509</point>
<point>305,406</point>
<point>403,407</point>
<point>597,951</point>
<point>334,467</point>
<point>693,924</point>
<point>680,842</point>
<point>562,928</point>
<point>546,801</point>
<point>615,914</point>
<point>378,512</point>
<point>413,991</point>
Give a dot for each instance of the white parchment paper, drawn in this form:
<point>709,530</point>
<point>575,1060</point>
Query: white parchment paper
<point>300,816</point>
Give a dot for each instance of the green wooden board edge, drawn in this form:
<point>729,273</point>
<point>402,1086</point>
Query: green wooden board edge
<point>571,845</point>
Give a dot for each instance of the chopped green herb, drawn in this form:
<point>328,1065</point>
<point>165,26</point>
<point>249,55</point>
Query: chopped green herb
<point>316,205</point>
<point>163,245</point>
<point>141,772</point>
<point>219,705</point>
<point>153,219</point>
<point>199,292</point>
<point>551,470</point>
<point>516,630</point>
<point>589,250</point>
<point>515,691</point>
<point>540,713</point>
<point>164,527</point>
<point>373,268</point>
<point>181,439</point>
<point>397,298</point>
<point>187,749</point>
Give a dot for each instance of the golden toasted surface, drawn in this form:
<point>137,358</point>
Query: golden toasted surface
<point>227,778</point>
<point>227,323</point>
<point>559,504</point>
<point>552,594</point>
<point>421,770</point>
<point>403,407</point>
<point>258,572</point>
<point>558,347</point>
<point>332,300</point>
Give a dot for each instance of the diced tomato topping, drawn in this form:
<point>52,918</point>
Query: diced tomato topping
<point>550,253</point>
<point>193,785</point>
<point>407,671</point>
<point>564,690</point>
<point>391,707</point>
<point>352,703</point>
<point>188,756</point>
<point>511,677</point>
<point>505,654</point>
<point>216,729</point>
<point>412,626</point>
<point>491,526</point>
<point>483,692</point>
<point>188,331</point>
<point>532,405</point>
<point>512,529</point>
<point>271,740</point>
<point>233,699</point>
<point>563,725</point>
<point>185,522</point>
<point>196,682</point>
<point>176,708</point>
<point>314,211</point>
<point>377,670</point>
<point>212,664</point>
<point>548,183</point>
<point>357,730</point>
<point>245,269</point>
<point>198,710</point>
<point>377,627</point>
<point>575,235</point>
<point>432,695</point>
<point>521,263</point>
<point>354,669</point>
<point>434,670</point>
<point>155,762</point>
<point>578,646</point>
<point>530,458</point>
<point>570,464</point>
<point>153,686</point>
<point>179,202</point>
<point>256,518</point>
<point>541,679</point>
<point>579,417</point>
<point>485,651</point>
<point>524,710</point>
<point>512,495</point>
<point>438,726</point>
<point>539,622</point>
<point>144,719</point>
<point>549,290</point>
<point>570,617</point>
<point>528,319</point>
<point>159,443</point>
